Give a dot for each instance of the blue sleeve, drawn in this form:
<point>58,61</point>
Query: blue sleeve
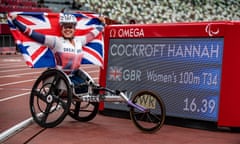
<point>34,35</point>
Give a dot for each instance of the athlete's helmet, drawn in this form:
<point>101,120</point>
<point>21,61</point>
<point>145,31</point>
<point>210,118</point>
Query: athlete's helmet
<point>67,18</point>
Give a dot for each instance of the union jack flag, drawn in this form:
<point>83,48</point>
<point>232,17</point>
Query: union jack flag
<point>37,55</point>
<point>115,73</point>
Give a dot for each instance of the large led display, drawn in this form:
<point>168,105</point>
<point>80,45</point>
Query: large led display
<point>185,72</point>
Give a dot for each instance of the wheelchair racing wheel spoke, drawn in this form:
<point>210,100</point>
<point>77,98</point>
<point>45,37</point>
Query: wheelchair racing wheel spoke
<point>55,82</point>
<point>76,110</point>
<point>153,118</point>
<point>48,105</point>
<point>45,114</point>
<point>39,94</point>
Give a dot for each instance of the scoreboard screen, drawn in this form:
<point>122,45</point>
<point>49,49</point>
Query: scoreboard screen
<point>185,72</point>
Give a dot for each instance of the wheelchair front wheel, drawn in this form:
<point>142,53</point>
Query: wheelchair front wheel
<point>154,118</point>
<point>83,111</point>
<point>50,98</point>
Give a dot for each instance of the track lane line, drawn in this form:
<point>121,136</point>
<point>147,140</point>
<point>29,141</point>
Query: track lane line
<point>15,96</point>
<point>15,75</point>
<point>12,66</point>
<point>12,83</point>
<point>10,70</point>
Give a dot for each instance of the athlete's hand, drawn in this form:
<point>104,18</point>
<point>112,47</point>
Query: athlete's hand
<point>102,19</point>
<point>13,16</point>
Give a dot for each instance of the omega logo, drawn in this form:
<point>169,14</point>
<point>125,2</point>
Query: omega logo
<point>127,32</point>
<point>113,33</point>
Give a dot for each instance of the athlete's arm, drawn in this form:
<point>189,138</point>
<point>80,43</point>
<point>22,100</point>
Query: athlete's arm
<point>43,39</point>
<point>95,32</point>
<point>91,35</point>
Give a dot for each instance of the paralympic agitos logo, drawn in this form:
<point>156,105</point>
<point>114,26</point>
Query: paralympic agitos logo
<point>211,30</point>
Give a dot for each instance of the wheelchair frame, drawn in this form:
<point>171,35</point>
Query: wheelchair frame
<point>54,96</point>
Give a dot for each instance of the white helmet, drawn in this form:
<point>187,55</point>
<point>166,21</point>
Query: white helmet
<point>67,18</point>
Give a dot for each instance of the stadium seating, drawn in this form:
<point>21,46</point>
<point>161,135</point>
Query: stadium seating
<point>162,11</point>
<point>142,11</point>
<point>21,5</point>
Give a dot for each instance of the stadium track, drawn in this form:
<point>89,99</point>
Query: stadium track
<point>16,80</point>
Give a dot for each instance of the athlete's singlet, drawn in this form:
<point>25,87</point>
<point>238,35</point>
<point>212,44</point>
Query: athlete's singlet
<point>68,56</point>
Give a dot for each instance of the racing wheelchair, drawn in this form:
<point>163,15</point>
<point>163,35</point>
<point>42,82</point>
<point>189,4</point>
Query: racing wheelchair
<point>54,96</point>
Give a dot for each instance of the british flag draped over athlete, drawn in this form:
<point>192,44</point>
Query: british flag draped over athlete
<point>37,55</point>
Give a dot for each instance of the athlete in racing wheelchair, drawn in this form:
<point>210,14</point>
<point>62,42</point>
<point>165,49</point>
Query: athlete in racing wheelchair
<point>72,80</point>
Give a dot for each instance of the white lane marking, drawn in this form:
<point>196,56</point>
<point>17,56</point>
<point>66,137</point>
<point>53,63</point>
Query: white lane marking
<point>94,71</point>
<point>13,66</point>
<point>10,70</point>
<point>23,89</point>
<point>12,60</point>
<point>16,75</point>
<point>12,83</point>
<point>16,88</point>
<point>12,97</point>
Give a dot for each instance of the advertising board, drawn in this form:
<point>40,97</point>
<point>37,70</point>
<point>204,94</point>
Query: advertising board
<point>186,64</point>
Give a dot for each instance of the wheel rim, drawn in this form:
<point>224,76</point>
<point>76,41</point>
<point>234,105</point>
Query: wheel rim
<point>47,103</point>
<point>151,120</point>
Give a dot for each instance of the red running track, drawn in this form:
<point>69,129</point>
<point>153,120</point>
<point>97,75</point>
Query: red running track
<point>16,80</point>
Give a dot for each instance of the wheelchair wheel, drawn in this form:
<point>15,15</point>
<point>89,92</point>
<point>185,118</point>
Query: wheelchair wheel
<point>83,111</point>
<point>154,118</point>
<point>50,98</point>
